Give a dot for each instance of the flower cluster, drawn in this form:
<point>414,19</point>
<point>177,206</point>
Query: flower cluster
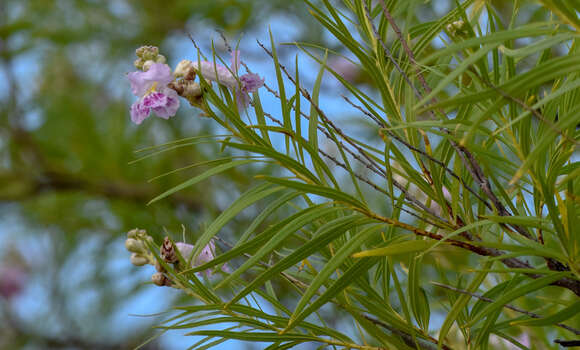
<point>176,254</point>
<point>150,86</point>
<point>158,89</point>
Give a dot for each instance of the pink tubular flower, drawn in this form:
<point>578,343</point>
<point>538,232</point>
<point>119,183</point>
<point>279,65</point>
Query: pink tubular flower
<point>12,281</point>
<point>207,254</point>
<point>242,85</point>
<point>151,88</point>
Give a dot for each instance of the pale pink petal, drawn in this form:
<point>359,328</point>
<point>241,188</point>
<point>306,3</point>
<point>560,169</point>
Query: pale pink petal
<point>141,82</point>
<point>242,99</point>
<point>235,61</point>
<point>216,72</point>
<point>139,112</point>
<point>12,281</point>
<point>184,249</point>
<point>251,82</point>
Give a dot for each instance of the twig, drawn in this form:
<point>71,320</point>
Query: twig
<point>370,163</point>
<point>507,306</point>
<point>420,151</point>
<point>407,338</point>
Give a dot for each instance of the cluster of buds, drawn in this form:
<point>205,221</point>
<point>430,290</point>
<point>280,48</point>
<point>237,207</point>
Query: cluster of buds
<point>136,244</point>
<point>457,28</point>
<point>147,55</point>
<point>178,255</point>
<point>185,84</point>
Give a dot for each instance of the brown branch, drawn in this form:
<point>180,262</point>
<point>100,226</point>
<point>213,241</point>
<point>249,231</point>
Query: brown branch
<point>568,283</point>
<point>51,181</point>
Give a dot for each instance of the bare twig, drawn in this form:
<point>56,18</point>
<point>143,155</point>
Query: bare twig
<point>407,338</point>
<point>507,306</point>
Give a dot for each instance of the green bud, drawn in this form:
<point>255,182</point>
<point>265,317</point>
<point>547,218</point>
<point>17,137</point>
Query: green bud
<point>133,245</point>
<point>138,260</point>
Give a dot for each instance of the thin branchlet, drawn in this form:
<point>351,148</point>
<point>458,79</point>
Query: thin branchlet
<point>507,306</point>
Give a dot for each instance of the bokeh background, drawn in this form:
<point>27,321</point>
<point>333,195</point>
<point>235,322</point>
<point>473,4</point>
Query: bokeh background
<point>68,192</point>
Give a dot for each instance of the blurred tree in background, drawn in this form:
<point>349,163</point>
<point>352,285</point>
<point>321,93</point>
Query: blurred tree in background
<point>67,192</point>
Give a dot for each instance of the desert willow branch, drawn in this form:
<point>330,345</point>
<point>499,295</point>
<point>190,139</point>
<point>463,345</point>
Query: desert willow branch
<point>369,182</point>
<point>417,150</point>
<point>477,248</point>
<point>507,306</point>
<point>466,157</point>
<point>369,163</point>
<point>407,338</point>
<point>534,112</point>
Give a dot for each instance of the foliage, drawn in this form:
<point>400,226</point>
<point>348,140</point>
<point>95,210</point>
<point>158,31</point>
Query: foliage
<point>453,225</point>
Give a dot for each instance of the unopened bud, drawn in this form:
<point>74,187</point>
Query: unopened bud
<point>147,65</point>
<point>183,68</point>
<point>167,251</point>
<point>136,233</point>
<point>133,245</point>
<point>147,52</point>
<point>138,260</point>
<point>160,279</point>
<point>160,59</point>
<point>138,63</point>
<point>458,24</point>
<point>159,267</point>
<point>192,90</point>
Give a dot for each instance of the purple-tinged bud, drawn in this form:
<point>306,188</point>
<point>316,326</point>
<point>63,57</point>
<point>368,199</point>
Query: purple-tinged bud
<point>167,251</point>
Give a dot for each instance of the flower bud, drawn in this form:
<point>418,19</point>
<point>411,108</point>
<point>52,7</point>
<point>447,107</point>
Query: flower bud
<point>133,233</point>
<point>133,245</point>
<point>138,260</point>
<point>160,59</point>
<point>160,279</point>
<point>182,69</point>
<point>458,24</point>
<point>192,90</point>
<point>167,251</point>
<point>138,63</point>
<point>147,65</point>
<point>158,266</point>
<point>147,52</point>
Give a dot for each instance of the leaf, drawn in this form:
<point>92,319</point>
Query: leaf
<point>323,236</point>
<point>207,174</point>
<point>557,317</point>
<point>277,239</point>
<point>329,268</point>
<point>397,249</point>
<point>514,293</point>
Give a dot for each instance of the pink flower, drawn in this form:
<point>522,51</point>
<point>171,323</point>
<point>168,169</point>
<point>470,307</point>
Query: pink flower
<point>242,86</point>
<point>154,95</point>
<point>207,254</point>
<point>12,281</point>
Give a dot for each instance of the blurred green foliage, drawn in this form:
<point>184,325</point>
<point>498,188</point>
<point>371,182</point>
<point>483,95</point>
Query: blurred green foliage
<point>66,185</point>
